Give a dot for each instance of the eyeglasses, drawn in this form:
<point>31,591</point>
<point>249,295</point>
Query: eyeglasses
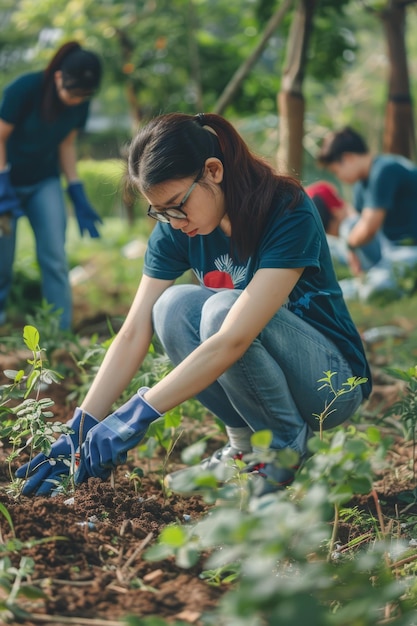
<point>174,212</point>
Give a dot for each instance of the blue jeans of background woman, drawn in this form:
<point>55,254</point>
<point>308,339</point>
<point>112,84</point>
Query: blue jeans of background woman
<point>44,206</point>
<point>274,385</point>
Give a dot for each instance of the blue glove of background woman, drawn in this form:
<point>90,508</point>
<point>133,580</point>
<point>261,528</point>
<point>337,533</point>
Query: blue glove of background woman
<point>107,444</point>
<point>84,212</point>
<point>43,472</point>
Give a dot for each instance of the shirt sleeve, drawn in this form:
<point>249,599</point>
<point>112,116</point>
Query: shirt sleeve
<point>293,239</point>
<point>165,257</point>
<point>18,96</point>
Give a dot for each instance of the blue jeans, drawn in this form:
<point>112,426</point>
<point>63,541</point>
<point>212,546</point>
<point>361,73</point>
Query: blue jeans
<point>274,385</point>
<point>44,206</point>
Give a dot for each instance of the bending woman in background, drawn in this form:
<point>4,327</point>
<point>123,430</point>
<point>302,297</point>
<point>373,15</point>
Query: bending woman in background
<point>40,115</point>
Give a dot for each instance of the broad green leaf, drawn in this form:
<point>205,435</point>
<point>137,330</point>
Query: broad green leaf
<point>261,439</point>
<point>31,338</point>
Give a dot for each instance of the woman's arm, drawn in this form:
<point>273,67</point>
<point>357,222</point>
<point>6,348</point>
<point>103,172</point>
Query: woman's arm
<point>266,293</point>
<point>127,351</point>
<point>365,229</point>
<point>6,130</point>
<point>68,156</point>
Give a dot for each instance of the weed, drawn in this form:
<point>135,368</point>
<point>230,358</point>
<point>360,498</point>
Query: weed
<point>26,424</point>
<point>406,407</point>
<point>135,476</point>
<point>347,387</point>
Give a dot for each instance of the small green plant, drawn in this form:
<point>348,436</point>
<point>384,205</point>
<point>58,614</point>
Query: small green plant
<point>135,477</point>
<point>347,387</point>
<point>406,407</point>
<point>279,552</point>
<point>26,424</point>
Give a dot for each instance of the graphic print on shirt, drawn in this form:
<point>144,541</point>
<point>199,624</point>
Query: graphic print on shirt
<point>298,307</point>
<point>225,276</point>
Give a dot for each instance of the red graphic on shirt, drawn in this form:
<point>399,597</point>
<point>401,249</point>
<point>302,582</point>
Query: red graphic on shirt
<point>218,280</point>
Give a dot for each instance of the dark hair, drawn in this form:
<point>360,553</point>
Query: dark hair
<point>81,73</point>
<point>336,144</point>
<point>177,145</point>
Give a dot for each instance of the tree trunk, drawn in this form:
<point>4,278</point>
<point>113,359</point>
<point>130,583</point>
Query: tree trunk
<point>230,90</point>
<point>194,55</point>
<point>290,100</point>
<point>399,137</point>
<point>127,47</point>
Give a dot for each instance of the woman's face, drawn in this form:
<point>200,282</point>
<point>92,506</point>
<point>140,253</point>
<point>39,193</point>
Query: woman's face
<point>201,202</point>
<point>346,169</point>
<point>68,97</point>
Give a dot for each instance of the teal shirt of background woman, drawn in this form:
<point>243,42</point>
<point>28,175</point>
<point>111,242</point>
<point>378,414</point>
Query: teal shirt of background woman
<point>32,148</point>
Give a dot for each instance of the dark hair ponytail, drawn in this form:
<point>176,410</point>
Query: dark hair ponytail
<point>177,146</point>
<point>81,71</point>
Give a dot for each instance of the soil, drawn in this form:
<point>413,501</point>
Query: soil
<point>91,568</point>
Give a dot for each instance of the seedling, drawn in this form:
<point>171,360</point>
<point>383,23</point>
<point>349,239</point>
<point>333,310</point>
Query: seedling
<point>135,476</point>
<point>347,387</point>
<point>26,425</point>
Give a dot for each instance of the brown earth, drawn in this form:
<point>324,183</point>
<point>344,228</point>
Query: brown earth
<point>92,569</point>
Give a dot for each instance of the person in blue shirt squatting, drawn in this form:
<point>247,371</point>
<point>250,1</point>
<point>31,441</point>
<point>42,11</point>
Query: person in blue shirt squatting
<point>250,340</point>
<point>382,237</point>
<point>40,116</point>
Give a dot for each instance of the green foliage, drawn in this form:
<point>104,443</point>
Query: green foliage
<point>278,550</point>
<point>406,406</point>
<point>103,181</point>
<point>26,424</point>
<point>347,387</point>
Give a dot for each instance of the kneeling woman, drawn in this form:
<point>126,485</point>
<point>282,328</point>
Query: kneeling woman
<point>253,337</point>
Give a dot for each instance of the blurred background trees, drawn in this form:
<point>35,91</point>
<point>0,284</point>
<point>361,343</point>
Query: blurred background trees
<point>327,63</point>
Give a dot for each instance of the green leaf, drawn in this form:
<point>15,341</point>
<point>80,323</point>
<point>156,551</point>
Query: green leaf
<point>373,434</point>
<point>192,454</point>
<point>34,593</point>
<point>261,439</point>
<point>158,552</point>
<point>31,338</point>
<point>7,515</point>
<point>173,536</point>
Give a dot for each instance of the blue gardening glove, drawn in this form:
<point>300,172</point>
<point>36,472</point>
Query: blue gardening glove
<point>43,472</point>
<point>84,212</point>
<point>107,444</point>
<point>9,202</point>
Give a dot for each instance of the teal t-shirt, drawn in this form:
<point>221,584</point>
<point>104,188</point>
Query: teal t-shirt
<point>392,186</point>
<point>32,148</point>
<point>291,239</point>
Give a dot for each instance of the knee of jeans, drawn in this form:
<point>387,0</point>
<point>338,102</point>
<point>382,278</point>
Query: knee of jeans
<point>170,308</point>
<point>215,310</point>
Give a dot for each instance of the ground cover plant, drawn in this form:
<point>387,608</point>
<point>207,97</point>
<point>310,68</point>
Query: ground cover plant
<point>338,548</point>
